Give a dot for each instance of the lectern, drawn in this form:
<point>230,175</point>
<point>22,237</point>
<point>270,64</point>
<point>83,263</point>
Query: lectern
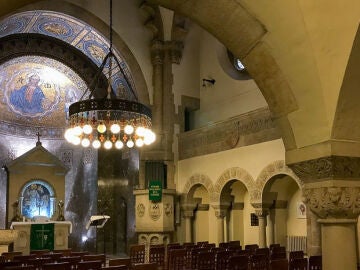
<point>97,221</point>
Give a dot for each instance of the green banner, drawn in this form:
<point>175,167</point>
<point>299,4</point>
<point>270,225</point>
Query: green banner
<point>42,236</point>
<point>155,190</point>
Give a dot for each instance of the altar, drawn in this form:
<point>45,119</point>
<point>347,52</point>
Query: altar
<point>50,235</point>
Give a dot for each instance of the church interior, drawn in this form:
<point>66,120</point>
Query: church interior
<point>251,110</point>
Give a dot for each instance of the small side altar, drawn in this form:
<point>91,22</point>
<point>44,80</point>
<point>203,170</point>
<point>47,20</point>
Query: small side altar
<point>41,235</point>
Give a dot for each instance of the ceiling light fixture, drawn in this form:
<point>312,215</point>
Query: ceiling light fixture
<point>104,120</point>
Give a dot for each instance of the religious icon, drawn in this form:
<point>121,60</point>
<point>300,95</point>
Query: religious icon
<point>29,97</point>
<point>301,210</point>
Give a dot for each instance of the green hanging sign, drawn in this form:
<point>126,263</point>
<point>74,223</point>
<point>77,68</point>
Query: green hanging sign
<point>155,190</point>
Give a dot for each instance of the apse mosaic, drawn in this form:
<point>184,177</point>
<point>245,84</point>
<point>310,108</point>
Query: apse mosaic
<point>71,30</point>
<point>38,91</point>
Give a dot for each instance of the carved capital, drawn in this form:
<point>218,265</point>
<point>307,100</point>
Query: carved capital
<point>261,212</point>
<point>176,49</point>
<point>220,210</point>
<point>333,202</point>
<point>331,167</point>
<point>188,210</point>
<point>157,52</point>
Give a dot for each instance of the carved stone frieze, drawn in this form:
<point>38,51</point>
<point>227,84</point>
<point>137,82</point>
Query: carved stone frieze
<point>247,129</point>
<point>333,202</point>
<point>331,167</point>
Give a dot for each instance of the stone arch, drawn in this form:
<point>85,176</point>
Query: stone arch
<point>201,179</point>
<point>248,46</point>
<point>231,174</point>
<point>274,168</point>
<point>102,27</point>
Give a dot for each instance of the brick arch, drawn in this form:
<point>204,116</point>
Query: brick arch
<point>275,168</point>
<point>196,179</point>
<point>234,173</point>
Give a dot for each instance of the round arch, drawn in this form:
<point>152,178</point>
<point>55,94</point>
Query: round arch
<point>275,168</point>
<point>100,26</point>
<point>198,179</point>
<point>248,46</point>
<point>230,174</point>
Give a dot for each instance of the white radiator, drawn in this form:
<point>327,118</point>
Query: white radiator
<point>295,243</point>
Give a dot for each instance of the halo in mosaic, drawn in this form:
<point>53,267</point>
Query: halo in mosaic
<point>73,31</point>
<point>37,91</point>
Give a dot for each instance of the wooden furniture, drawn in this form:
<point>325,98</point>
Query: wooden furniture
<point>176,259</point>
<point>299,264</point>
<point>145,266</point>
<point>315,263</point>
<point>120,261</point>
<point>221,259</point>
<point>86,265</point>
<point>137,254</point>
<point>9,256</point>
<point>296,255</point>
<point>116,267</point>
<point>259,262</point>
<point>281,264</point>
<point>95,257</point>
<point>64,252</point>
<point>238,262</point>
<point>73,261</point>
<point>157,255</point>
<point>56,266</point>
<point>205,260</point>
<point>23,267</point>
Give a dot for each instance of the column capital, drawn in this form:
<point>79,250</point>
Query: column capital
<point>333,200</point>
<point>188,209</point>
<point>261,209</point>
<point>261,212</point>
<point>157,52</point>
<point>176,48</point>
<point>220,210</point>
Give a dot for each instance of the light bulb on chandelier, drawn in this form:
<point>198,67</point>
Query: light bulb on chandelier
<point>108,121</point>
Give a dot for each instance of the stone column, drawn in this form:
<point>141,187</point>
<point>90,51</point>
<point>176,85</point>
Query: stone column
<point>261,214</point>
<point>270,226</point>
<point>331,191</point>
<point>157,59</point>
<point>220,213</point>
<point>313,234</point>
<point>337,204</point>
<point>188,214</point>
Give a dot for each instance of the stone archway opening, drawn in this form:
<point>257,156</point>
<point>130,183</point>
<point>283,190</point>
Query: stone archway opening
<point>286,219</point>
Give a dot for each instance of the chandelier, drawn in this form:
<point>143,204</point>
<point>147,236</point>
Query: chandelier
<point>109,121</point>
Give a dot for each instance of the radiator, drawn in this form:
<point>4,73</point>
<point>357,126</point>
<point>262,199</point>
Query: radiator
<point>295,243</point>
